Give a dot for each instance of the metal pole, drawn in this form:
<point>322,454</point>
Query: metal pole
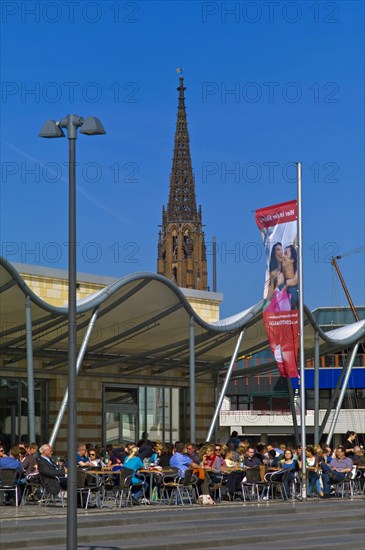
<point>335,394</point>
<point>214,264</point>
<point>192,379</point>
<point>316,388</point>
<point>80,358</point>
<point>216,395</point>
<point>224,388</point>
<point>293,411</point>
<point>29,341</point>
<point>351,303</point>
<point>342,394</point>
<point>301,332</point>
<point>72,334</point>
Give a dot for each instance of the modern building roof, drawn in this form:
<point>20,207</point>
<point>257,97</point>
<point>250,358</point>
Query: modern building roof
<point>143,321</point>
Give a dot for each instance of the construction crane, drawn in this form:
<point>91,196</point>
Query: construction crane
<point>335,265</point>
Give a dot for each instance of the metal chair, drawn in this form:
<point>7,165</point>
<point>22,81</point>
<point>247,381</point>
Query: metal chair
<point>9,481</point>
<point>122,487</point>
<point>48,497</point>
<point>175,488</point>
<point>32,490</point>
<point>275,482</point>
<point>88,484</point>
<point>345,486</point>
<point>251,484</point>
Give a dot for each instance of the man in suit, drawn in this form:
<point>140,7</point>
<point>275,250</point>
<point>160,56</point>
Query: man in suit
<point>52,475</point>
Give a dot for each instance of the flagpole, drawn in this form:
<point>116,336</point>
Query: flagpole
<point>301,332</point>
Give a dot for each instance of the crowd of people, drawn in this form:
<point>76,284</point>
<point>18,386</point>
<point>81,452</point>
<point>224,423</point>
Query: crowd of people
<point>213,465</point>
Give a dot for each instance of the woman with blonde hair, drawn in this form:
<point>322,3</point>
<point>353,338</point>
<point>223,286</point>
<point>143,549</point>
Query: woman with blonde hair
<point>133,462</point>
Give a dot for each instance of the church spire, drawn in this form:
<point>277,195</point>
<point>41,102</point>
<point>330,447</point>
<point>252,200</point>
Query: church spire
<point>182,201</point>
<point>181,246</point>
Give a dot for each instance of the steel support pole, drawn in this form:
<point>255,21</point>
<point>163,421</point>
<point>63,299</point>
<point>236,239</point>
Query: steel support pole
<point>335,394</point>
<point>301,332</point>
<point>224,388</point>
<point>80,358</point>
<point>72,334</point>
<point>29,342</point>
<point>216,397</point>
<point>293,412</point>
<point>192,378</point>
<point>342,393</point>
<point>316,388</point>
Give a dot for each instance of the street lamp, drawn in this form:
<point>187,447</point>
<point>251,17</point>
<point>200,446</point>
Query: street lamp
<point>52,129</point>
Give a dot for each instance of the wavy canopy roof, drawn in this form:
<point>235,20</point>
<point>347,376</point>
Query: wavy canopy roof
<point>143,321</point>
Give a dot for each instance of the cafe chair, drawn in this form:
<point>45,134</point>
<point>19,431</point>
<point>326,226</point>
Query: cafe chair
<point>345,487</point>
<point>176,488</point>
<point>32,490</point>
<point>9,482</point>
<point>47,497</point>
<point>275,483</point>
<point>88,485</point>
<point>251,484</point>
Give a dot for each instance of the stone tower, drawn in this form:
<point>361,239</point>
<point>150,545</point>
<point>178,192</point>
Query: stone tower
<point>181,246</point>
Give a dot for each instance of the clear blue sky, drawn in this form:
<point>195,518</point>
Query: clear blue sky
<point>267,85</point>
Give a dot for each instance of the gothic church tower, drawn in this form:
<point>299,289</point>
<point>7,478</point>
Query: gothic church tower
<point>181,246</point>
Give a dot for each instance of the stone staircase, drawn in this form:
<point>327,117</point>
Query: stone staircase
<point>312,524</point>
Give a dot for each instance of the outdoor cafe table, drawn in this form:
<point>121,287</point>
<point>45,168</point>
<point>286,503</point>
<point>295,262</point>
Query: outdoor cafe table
<point>152,472</point>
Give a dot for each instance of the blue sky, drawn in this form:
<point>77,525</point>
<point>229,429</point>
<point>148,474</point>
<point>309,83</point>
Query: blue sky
<point>268,84</point>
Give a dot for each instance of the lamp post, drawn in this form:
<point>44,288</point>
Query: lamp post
<point>53,129</point>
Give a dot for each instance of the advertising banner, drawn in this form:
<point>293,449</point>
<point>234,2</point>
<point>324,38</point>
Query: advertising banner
<point>278,228</point>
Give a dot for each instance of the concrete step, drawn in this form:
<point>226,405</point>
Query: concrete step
<point>173,528</point>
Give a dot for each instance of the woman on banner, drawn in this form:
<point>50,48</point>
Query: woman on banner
<point>289,265</point>
<point>277,295</point>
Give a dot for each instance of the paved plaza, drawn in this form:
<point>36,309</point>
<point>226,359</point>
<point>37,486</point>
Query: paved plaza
<point>314,524</point>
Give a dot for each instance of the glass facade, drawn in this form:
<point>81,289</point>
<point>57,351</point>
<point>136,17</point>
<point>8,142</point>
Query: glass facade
<point>131,412</point>
<point>14,411</point>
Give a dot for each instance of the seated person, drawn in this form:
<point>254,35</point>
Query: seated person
<point>182,461</point>
<point>53,477</point>
<point>165,455</point>
<point>94,457</point>
<point>30,460</point>
<point>250,460</point>
<point>81,457</point>
<point>133,462</point>
<point>312,463</point>
<point>289,463</point>
<point>336,470</point>
<point>230,461</point>
<point>212,464</point>
<point>13,462</point>
<point>359,458</point>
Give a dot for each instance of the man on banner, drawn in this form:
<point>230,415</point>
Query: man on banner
<point>278,228</point>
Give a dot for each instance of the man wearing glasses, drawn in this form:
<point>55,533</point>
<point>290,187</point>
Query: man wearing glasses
<point>2,452</point>
<point>218,451</point>
<point>192,453</point>
<point>82,460</point>
<point>181,461</point>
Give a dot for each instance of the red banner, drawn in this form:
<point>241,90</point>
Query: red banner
<point>278,228</point>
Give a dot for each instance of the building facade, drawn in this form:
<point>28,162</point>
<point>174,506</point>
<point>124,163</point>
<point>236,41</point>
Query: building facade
<point>258,407</point>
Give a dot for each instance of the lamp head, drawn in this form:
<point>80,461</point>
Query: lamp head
<point>51,129</point>
<point>92,126</point>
